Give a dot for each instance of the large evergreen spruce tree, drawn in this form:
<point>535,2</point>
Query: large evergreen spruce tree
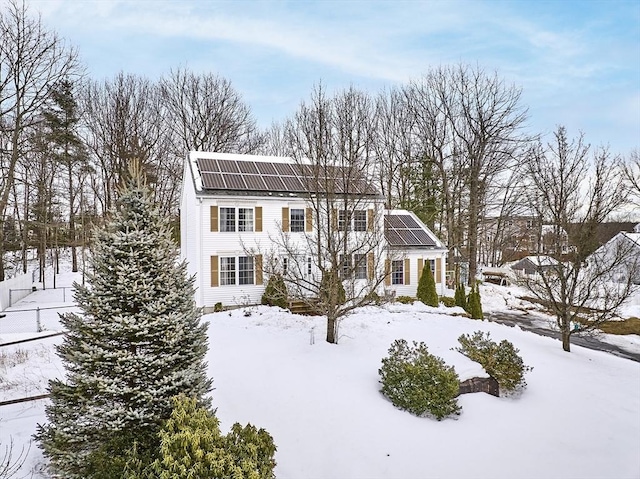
<point>138,342</point>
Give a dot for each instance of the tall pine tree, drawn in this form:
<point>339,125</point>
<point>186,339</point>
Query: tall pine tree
<point>138,342</point>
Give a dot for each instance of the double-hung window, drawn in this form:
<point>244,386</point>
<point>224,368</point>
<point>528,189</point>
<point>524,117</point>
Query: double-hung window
<point>360,266</point>
<point>236,270</point>
<point>245,270</point>
<point>397,272</point>
<point>227,219</point>
<point>344,222</point>
<point>345,262</point>
<point>227,271</point>
<point>245,219</point>
<point>297,220</point>
<point>360,220</point>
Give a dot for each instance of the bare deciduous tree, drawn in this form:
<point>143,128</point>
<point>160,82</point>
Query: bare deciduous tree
<point>32,60</point>
<point>205,113</point>
<point>631,171</point>
<point>574,191</point>
<point>336,264</point>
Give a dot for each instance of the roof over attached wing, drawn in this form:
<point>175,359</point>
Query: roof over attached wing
<point>268,175</point>
<point>403,229</point>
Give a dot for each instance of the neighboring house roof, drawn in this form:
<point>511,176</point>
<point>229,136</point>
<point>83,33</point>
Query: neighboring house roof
<point>534,261</point>
<point>272,175</point>
<point>403,229</point>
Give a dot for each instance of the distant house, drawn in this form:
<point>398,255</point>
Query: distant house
<point>233,203</point>
<point>533,265</point>
<point>511,238</point>
<point>627,245</point>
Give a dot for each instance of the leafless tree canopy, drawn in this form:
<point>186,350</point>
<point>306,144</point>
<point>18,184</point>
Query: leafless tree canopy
<point>32,60</point>
<point>206,113</point>
<point>573,190</point>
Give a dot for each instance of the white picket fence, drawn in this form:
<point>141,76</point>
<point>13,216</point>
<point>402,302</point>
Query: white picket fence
<point>14,289</point>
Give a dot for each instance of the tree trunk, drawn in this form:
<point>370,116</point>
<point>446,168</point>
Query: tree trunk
<point>566,340</point>
<point>474,201</point>
<point>332,326</point>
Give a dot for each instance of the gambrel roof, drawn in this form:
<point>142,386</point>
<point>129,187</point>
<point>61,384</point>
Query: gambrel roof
<point>269,175</point>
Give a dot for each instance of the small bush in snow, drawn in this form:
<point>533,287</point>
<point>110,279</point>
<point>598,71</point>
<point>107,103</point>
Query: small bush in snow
<point>405,299</point>
<point>501,361</point>
<point>448,301</point>
<point>275,293</point>
<point>419,382</point>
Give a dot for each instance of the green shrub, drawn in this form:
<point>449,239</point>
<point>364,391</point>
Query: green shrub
<point>427,287</point>
<point>460,296</point>
<point>191,447</point>
<point>448,301</point>
<point>218,307</point>
<point>375,298</point>
<point>501,361</point>
<point>419,382</point>
<point>405,299</point>
<point>474,304</point>
<point>275,293</point>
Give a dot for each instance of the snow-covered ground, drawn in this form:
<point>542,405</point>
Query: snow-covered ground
<point>579,416</point>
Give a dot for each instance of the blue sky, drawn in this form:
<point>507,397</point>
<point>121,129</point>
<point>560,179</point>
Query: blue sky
<point>577,62</point>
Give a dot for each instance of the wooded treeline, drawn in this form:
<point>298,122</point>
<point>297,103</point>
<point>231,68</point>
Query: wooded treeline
<point>450,146</point>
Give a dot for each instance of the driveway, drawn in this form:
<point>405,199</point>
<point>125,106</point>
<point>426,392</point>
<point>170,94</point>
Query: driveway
<point>532,323</point>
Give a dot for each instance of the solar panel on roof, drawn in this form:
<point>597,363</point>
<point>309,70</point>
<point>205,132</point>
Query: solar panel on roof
<point>248,167</point>
<point>423,237</point>
<point>292,183</point>
<point>255,183</point>
<point>234,182</point>
<point>284,169</point>
<point>404,230</point>
<point>274,183</point>
<point>228,166</point>
<point>212,180</point>
<point>266,168</point>
<point>408,221</point>
<point>207,165</point>
<point>394,238</point>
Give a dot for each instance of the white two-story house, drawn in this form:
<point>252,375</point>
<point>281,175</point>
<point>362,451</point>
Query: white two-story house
<point>245,216</point>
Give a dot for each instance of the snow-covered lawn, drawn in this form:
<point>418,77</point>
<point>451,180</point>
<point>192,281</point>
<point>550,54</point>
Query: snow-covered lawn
<point>578,418</point>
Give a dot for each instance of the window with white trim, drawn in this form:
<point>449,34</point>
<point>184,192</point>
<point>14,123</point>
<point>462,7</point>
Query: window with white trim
<point>237,270</point>
<point>227,271</point>
<point>360,220</point>
<point>227,219</point>
<point>397,272</point>
<point>245,219</point>
<point>245,270</point>
<point>296,224</point>
<point>360,266</point>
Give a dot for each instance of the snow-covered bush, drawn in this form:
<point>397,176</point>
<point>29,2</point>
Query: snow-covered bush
<point>419,382</point>
<point>275,293</point>
<point>501,361</point>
